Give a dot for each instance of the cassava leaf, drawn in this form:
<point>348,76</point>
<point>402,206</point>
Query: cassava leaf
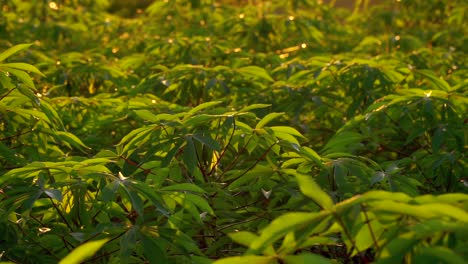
<point>311,189</point>
<point>7,53</point>
<point>83,252</point>
<point>256,72</point>
<point>268,118</point>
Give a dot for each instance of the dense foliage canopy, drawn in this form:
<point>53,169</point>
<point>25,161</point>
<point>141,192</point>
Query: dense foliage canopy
<point>203,131</point>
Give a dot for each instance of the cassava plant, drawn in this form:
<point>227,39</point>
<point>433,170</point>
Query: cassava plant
<point>200,131</point>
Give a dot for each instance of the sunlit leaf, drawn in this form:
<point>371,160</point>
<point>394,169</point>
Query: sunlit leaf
<point>268,118</point>
<point>7,53</point>
<point>246,259</point>
<point>306,258</point>
<point>23,67</point>
<point>256,72</point>
<point>83,252</point>
<point>311,189</point>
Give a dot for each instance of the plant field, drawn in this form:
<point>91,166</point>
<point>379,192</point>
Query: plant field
<point>256,131</point>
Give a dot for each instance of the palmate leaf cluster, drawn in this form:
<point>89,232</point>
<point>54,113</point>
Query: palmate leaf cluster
<point>233,132</point>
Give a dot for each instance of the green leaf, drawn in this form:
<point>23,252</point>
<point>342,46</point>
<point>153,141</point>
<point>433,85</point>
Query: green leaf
<point>284,224</point>
<point>133,195</point>
<point>287,130</point>
<point>244,238</point>
<point>5,81</point>
<point>447,210</point>
<point>396,249</point>
<point>256,72</point>
<point>190,156</point>
<point>128,243</point>
<point>146,115</point>
<point>83,252</point>
<point>23,67</point>
<point>22,76</point>
<point>54,194</point>
<point>265,120</point>
<point>28,93</point>
<point>306,258</point>
<point>50,112</point>
<point>310,188</point>
<point>366,233</point>
<point>199,202</point>
<point>286,137</point>
<point>198,120</point>
<point>384,195</point>
<point>151,194</point>
<point>341,141</point>
<point>254,174</point>
<point>134,134</point>
<point>183,187</point>
<point>137,137</point>
<point>438,255</point>
<point>310,154</point>
<point>153,250</point>
<point>246,260</point>
<point>438,82</point>
<point>208,141</point>
<point>401,208</point>
<point>7,53</point>
<point>253,107</point>
<point>72,140</point>
<point>201,260</point>
<point>109,192</point>
<point>200,107</point>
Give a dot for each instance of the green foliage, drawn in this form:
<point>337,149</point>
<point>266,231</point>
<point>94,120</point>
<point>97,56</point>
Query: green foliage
<point>260,132</point>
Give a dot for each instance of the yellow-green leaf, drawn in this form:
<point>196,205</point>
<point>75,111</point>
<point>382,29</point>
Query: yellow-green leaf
<point>83,252</point>
<point>7,53</point>
<point>246,260</point>
<point>265,120</point>
<point>311,189</point>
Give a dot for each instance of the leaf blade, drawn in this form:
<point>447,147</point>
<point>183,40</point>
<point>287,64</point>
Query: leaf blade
<point>83,252</point>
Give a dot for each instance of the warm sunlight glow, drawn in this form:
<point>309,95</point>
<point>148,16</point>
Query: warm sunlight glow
<point>53,5</point>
